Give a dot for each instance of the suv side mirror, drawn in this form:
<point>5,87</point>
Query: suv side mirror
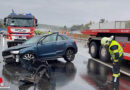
<point>5,21</point>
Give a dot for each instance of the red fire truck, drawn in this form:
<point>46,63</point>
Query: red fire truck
<point>119,29</point>
<point>20,27</point>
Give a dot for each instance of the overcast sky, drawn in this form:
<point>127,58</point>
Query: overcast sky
<point>69,12</point>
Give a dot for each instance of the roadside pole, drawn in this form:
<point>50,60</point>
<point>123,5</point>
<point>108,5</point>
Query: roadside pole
<point>3,40</point>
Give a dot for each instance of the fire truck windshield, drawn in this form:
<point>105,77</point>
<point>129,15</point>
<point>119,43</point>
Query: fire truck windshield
<point>20,22</point>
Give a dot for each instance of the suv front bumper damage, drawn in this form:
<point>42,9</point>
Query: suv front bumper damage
<point>11,58</point>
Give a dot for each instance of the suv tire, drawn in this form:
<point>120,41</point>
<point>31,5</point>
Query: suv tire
<point>69,55</point>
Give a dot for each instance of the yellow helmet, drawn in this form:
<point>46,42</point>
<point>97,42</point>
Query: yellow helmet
<point>105,41</point>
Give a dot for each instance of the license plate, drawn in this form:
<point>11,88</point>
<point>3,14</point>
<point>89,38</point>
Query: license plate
<point>17,58</point>
<point>21,37</point>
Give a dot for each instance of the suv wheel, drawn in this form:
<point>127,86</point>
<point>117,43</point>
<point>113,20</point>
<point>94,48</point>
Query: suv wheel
<point>28,57</point>
<point>69,55</point>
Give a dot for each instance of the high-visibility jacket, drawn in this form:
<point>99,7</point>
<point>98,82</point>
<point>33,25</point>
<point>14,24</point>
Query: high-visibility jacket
<point>62,32</point>
<point>67,32</point>
<point>49,32</point>
<point>115,50</point>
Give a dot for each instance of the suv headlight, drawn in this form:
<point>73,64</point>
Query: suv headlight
<point>14,52</point>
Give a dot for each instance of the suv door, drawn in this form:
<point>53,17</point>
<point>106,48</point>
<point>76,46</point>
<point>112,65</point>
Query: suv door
<point>60,48</point>
<point>47,47</point>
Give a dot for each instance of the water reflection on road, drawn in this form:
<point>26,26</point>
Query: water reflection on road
<point>61,74</point>
<point>99,75</point>
<point>82,74</point>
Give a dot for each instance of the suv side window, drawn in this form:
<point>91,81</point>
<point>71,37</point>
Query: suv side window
<point>59,38</point>
<point>50,38</point>
<point>66,37</point>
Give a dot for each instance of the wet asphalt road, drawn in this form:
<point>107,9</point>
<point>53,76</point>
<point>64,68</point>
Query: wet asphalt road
<point>82,74</point>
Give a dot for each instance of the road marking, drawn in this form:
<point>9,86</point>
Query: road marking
<point>110,66</point>
<point>5,87</point>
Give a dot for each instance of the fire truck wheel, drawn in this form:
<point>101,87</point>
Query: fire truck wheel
<point>93,49</point>
<point>104,54</point>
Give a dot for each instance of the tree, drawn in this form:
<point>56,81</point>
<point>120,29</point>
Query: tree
<point>65,28</point>
<point>127,24</point>
<point>76,27</point>
<point>1,25</point>
<point>102,21</point>
<point>82,27</point>
<point>87,25</point>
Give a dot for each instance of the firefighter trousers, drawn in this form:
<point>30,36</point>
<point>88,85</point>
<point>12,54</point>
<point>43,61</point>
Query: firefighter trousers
<point>116,71</point>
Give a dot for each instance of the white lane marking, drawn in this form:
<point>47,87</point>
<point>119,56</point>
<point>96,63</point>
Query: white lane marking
<point>5,87</point>
<point>110,66</point>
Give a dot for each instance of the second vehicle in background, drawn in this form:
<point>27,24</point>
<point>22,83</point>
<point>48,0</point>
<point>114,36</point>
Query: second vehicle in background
<point>20,27</point>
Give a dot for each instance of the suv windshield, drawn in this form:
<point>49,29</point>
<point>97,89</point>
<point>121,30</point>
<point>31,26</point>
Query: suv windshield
<point>32,40</point>
<point>20,22</point>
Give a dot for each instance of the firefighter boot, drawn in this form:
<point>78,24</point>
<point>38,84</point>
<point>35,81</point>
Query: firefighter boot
<point>115,81</point>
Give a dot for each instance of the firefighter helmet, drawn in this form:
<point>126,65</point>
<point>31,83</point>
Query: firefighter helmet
<point>112,37</point>
<point>105,41</point>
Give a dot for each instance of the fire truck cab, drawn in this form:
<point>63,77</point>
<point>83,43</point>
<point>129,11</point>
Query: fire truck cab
<point>20,27</point>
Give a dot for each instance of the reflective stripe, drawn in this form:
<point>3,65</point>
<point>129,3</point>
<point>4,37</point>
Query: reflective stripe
<point>120,54</point>
<point>116,75</point>
<point>115,51</point>
<point>120,49</point>
<point>113,56</point>
<point>49,32</point>
<point>116,60</point>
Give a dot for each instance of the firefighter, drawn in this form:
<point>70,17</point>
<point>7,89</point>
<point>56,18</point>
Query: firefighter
<point>62,32</point>
<point>116,53</point>
<point>67,32</point>
<point>49,32</point>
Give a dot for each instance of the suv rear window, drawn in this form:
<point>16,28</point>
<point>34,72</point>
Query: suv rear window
<point>49,38</point>
<point>60,38</point>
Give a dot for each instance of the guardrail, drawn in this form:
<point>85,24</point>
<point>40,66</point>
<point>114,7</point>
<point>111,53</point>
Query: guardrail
<point>80,38</point>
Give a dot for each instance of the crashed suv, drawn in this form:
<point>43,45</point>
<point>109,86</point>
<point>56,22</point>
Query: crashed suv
<point>47,47</point>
